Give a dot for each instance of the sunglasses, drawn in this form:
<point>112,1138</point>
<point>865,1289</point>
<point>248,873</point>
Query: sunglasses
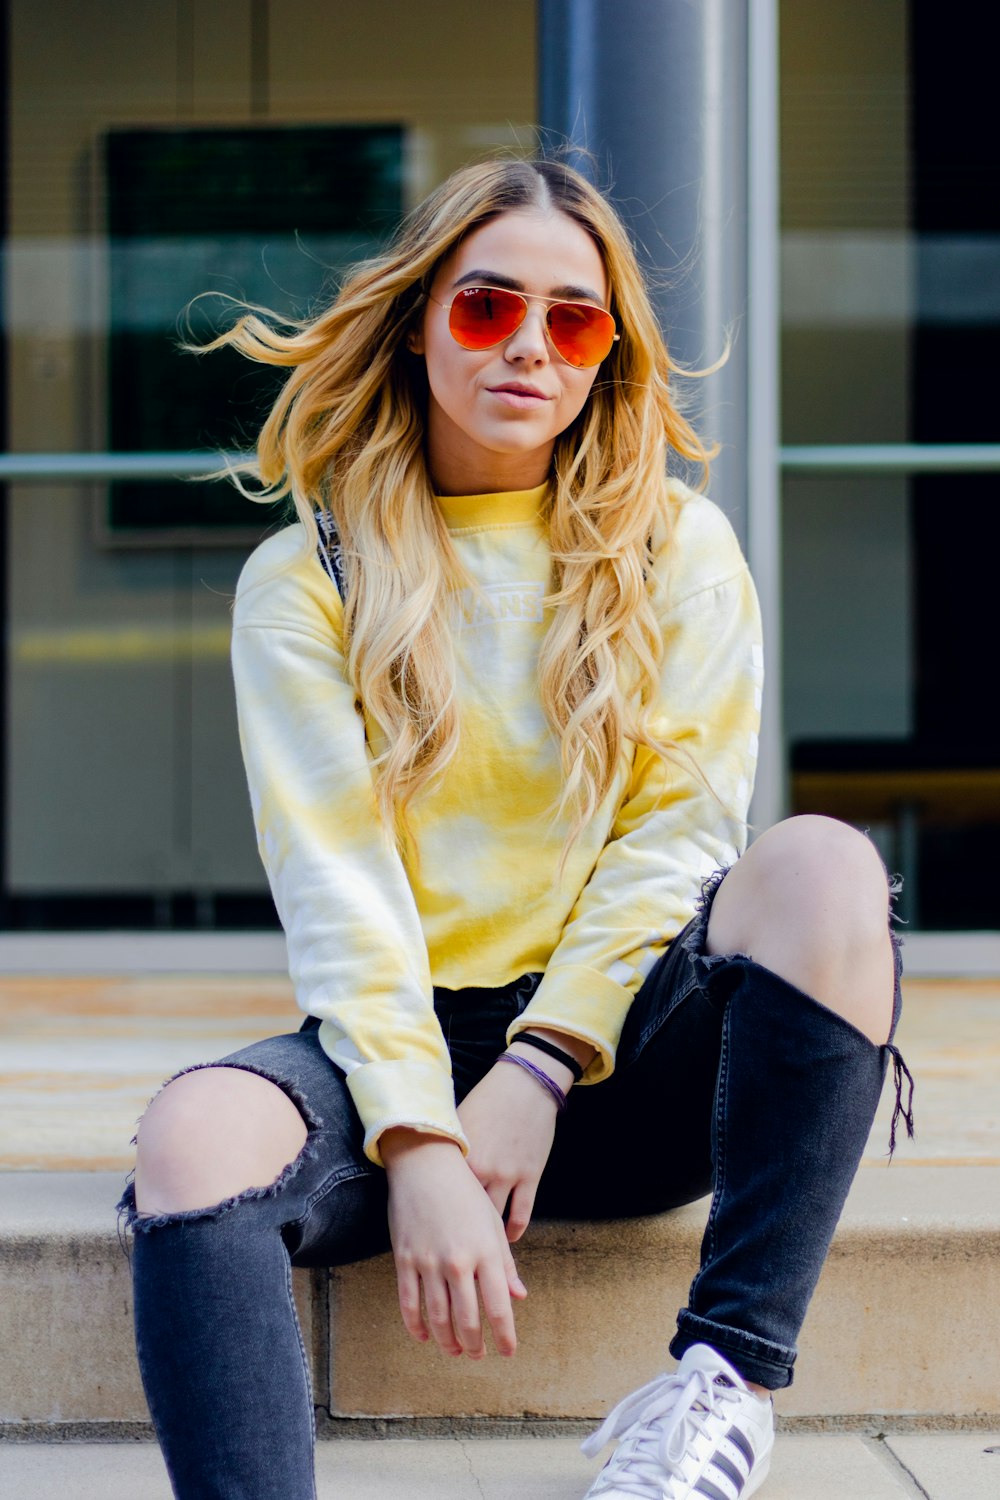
<point>479,317</point>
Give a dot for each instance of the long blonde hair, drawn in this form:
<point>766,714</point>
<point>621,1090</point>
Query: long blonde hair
<point>346,435</point>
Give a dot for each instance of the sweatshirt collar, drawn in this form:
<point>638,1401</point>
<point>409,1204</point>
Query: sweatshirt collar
<point>507,508</point>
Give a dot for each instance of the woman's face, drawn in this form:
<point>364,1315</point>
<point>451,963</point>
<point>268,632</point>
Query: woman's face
<point>494,415</point>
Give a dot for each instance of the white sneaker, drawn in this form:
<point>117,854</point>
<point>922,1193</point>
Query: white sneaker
<point>699,1432</point>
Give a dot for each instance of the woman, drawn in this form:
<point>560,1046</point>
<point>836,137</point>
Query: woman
<point>499,718</point>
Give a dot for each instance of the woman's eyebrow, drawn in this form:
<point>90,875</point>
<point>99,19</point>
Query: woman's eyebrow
<point>496,278</point>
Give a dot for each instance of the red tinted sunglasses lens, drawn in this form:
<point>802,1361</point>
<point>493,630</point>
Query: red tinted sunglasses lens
<point>582,334</point>
<point>482,316</point>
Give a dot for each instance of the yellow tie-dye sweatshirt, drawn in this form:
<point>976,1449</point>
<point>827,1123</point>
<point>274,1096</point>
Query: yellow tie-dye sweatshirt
<point>477,898</point>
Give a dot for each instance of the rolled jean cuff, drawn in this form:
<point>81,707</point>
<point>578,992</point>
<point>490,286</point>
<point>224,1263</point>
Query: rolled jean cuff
<point>754,1358</point>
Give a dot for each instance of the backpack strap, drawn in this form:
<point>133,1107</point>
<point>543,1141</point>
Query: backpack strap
<point>330,552</point>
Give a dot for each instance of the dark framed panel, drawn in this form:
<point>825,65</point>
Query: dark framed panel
<point>267,215</point>
<point>5,95</point>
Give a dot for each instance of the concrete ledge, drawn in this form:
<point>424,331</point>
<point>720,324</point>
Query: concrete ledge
<point>904,1321</point>
<point>904,1324</point>
<point>66,1347</point>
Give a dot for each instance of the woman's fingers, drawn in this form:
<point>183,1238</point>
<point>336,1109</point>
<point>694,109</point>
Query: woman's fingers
<point>498,1193</point>
<point>437,1301</point>
<point>450,1247</point>
<point>452,1312</point>
<point>465,1316</point>
<point>516,1199</point>
<point>522,1202</point>
<point>495,1290</point>
<point>408,1288</point>
<point>515,1285</point>
<point>510,1123</point>
<point>451,1304</point>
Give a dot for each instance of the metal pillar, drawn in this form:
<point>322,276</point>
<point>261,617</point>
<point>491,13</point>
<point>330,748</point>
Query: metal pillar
<point>657,91</point>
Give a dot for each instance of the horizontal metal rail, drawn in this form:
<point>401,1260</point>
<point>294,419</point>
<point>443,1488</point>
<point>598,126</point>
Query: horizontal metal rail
<point>889,458</point>
<point>66,468</point>
<point>807,458</point>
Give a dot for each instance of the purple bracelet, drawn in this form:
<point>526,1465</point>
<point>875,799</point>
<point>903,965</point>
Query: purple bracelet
<point>548,1084</point>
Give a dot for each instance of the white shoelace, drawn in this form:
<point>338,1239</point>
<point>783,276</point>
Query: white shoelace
<point>667,1416</point>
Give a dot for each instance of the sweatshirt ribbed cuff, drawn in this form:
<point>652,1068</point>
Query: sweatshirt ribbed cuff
<point>583,1003</point>
<point>411,1094</point>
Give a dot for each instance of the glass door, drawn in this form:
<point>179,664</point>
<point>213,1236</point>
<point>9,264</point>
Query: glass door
<point>156,150</point>
<point>890,275</point>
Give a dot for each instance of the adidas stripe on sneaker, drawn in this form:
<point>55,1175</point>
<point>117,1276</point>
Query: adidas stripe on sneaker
<point>698,1434</point>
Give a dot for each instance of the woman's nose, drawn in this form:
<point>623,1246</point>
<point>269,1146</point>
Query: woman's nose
<point>530,340</point>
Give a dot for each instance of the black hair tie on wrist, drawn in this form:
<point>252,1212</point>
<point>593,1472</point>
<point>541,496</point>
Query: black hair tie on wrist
<point>552,1050</point>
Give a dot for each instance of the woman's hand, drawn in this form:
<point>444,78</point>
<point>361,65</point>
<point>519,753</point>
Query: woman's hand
<point>449,1246</point>
<point>510,1121</point>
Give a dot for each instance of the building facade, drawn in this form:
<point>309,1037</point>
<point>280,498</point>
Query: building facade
<point>805,178</point>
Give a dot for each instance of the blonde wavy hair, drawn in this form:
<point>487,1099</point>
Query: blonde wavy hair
<point>346,435</point>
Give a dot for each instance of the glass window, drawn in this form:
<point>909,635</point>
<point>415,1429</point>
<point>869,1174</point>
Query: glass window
<point>157,150</point>
<point>890,266</point>
<point>271,215</point>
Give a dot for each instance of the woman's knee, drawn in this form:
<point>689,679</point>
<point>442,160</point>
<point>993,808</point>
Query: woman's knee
<point>809,877</point>
<point>810,901</point>
<point>210,1135</point>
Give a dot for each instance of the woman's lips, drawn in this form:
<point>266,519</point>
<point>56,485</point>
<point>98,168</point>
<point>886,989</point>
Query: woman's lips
<point>525,397</point>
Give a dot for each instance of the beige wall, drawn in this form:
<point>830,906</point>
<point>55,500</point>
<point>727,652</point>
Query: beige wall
<point>123,769</point>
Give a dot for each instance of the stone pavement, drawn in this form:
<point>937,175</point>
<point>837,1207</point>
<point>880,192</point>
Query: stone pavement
<point>830,1466</point>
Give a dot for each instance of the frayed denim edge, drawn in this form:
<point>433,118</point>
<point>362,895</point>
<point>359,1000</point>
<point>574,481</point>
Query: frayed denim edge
<point>694,944</point>
<point>130,1219</point>
<point>900,1071</point>
<point>696,937</point>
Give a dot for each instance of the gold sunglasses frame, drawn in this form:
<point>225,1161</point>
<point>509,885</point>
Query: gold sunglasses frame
<point>527,298</point>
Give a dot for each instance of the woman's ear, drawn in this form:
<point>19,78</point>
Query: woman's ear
<point>415,341</point>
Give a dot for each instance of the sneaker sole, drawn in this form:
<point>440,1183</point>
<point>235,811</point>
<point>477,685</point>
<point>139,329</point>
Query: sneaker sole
<point>758,1474</point>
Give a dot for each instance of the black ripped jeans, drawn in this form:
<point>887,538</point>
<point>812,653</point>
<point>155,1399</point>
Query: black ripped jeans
<point>728,1079</point>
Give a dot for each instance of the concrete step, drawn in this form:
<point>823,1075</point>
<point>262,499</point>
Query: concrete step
<point>903,1327</point>
<point>904,1322</point>
<point>938,1466</point>
<point>80,1055</point>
